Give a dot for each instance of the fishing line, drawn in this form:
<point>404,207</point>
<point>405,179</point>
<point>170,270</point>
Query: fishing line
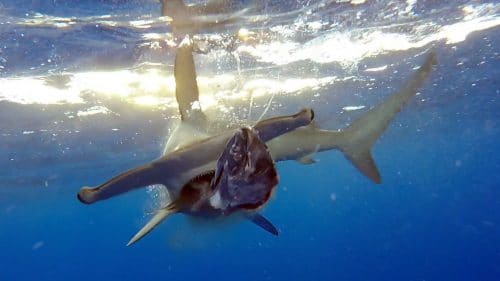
<point>267,107</point>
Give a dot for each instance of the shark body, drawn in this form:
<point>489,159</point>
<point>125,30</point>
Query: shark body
<point>184,162</point>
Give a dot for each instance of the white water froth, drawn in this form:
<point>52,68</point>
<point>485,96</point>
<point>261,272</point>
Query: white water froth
<point>350,47</point>
<point>93,111</point>
<point>151,88</point>
<point>352,108</point>
<point>376,69</point>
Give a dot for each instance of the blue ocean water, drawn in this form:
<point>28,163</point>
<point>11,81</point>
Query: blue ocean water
<point>86,92</point>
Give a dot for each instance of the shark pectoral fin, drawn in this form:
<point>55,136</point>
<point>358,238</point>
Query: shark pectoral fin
<point>363,160</point>
<point>306,160</point>
<point>152,223</point>
<point>261,221</point>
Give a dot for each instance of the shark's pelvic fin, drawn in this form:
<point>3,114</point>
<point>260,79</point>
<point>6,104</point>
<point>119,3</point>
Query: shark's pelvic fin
<point>264,223</point>
<point>160,215</point>
<point>358,138</point>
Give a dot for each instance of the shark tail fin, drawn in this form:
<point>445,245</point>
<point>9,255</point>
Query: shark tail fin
<point>358,138</point>
<point>160,215</point>
<point>364,162</point>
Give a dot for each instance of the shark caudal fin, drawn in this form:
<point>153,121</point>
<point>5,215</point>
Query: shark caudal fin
<point>160,215</point>
<point>358,138</point>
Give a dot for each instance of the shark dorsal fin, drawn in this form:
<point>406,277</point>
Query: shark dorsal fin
<point>186,86</point>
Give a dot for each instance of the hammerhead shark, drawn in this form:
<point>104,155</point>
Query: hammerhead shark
<point>287,137</point>
<point>178,167</point>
